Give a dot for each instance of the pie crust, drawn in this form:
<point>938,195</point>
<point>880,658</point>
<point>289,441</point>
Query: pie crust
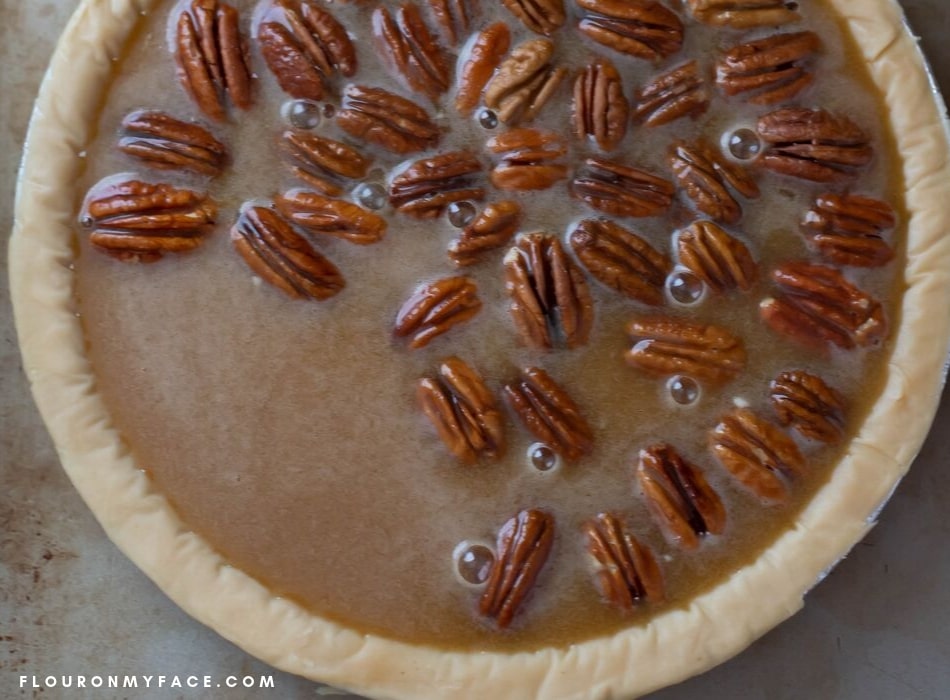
<point>675,644</point>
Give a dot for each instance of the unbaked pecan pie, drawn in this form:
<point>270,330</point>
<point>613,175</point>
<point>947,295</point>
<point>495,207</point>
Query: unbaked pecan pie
<point>492,326</point>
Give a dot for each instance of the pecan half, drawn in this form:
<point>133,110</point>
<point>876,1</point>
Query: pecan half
<point>813,144</point>
<point>211,57</point>
<point>642,28</point>
<point>282,257</point>
<point>621,259</point>
<point>679,496</point>
<point>304,45</point>
<point>744,14</point>
<point>718,259</point>
<point>621,190</point>
<point>757,453</point>
<point>387,120</point>
<point>708,179</point>
<point>848,229</point>
<point>138,221</point>
<point>492,228</point>
<point>816,305</point>
<point>550,302</point>
<point>540,16</point>
<point>322,163</point>
<point>666,346</point>
<point>435,308</point>
<point>322,215</point>
<point>626,571</point>
<point>524,82</point>
<point>678,93</point>
<point>805,402</point>
<point>486,53</point>
<point>429,185</point>
<point>454,17</point>
<point>411,51</point>
<point>549,413</point>
<point>600,109</point>
<point>522,548</point>
<point>166,143</point>
<point>463,411</point>
<point>769,70</point>
<point>528,159</point>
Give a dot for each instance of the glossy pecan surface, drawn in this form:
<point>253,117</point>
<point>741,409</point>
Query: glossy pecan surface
<point>385,119</point>
<point>621,190</point>
<point>668,346</point>
<point>600,108</point>
<point>138,221</point>
<point>816,305</point>
<point>549,413</point>
<point>427,186</point>
<point>435,308</point>
<point>550,301</point>
<point>678,93</point>
<point>679,496</point>
<point>164,142</point>
<point>768,70</point>
<point>718,259</point>
<point>813,144</point>
<point>324,164</point>
<point>626,572</point>
<point>491,229</point>
<point>645,29</point>
<point>807,403</point>
<point>282,257</point>
<point>523,546</point>
<point>710,180</point>
<point>212,57</point>
<point>757,453</point>
<point>319,214</point>
<point>849,229</point>
<point>621,259</point>
<point>464,411</point>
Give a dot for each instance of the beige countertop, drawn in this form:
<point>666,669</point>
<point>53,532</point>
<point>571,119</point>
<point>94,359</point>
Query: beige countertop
<point>878,628</point>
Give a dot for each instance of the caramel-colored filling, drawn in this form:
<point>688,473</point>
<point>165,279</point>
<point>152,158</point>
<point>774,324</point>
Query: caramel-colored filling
<point>286,432</point>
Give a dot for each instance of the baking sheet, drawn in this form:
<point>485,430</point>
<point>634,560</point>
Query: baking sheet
<point>877,629</point>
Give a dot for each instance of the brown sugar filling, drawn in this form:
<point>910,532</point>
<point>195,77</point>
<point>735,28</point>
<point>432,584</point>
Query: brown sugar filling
<point>286,433</point>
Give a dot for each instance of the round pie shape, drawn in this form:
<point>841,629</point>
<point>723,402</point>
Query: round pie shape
<point>716,625</point>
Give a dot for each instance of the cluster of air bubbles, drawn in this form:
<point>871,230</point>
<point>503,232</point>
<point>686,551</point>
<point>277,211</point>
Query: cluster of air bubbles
<point>371,195</point>
<point>743,144</point>
<point>542,457</point>
<point>685,288</point>
<point>303,114</point>
<point>487,119</point>
<point>683,390</point>
<point>461,214</point>
<point>473,562</point>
